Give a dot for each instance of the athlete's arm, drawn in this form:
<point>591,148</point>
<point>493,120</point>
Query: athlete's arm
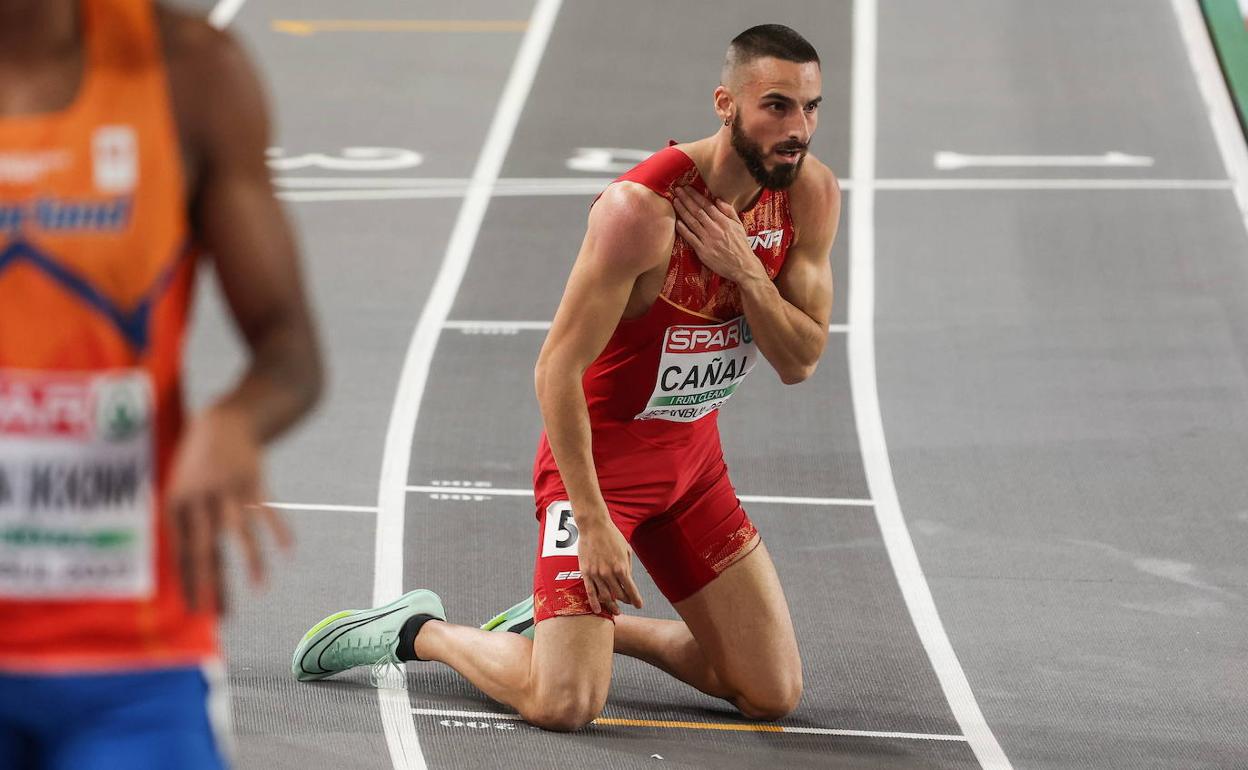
<point>216,482</point>
<point>630,232</point>
<point>788,318</point>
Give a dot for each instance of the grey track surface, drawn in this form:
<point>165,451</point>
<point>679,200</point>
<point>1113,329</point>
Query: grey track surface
<point>1061,375</point>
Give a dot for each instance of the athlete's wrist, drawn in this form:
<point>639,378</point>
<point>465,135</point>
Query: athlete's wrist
<point>754,280</point>
<point>591,517</point>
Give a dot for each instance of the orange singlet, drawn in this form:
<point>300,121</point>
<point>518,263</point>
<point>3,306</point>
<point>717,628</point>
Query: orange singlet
<point>96,272</point>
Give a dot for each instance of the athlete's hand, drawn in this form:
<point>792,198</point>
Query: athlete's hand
<point>606,565</point>
<point>716,234</point>
<point>216,488</point>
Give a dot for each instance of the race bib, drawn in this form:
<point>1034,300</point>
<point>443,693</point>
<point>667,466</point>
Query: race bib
<point>699,370</point>
<point>560,537</point>
<point>77,495</point>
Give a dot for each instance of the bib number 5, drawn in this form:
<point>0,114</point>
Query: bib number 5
<point>559,532</point>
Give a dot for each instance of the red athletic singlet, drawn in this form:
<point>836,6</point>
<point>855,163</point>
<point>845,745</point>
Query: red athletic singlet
<point>667,372</point>
<point>95,281</point>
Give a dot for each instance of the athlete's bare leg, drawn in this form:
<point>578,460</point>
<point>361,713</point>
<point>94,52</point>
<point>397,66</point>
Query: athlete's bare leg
<point>559,681</point>
<point>736,641</point>
<point>669,646</point>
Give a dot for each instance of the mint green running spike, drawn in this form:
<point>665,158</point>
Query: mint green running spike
<point>518,619</point>
<point>360,637</point>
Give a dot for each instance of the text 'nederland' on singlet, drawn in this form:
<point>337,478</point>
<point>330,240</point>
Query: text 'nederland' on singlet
<point>687,355</point>
<point>95,281</point>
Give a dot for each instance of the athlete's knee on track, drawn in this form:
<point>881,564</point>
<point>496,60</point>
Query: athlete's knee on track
<point>565,712</point>
<point>774,701</point>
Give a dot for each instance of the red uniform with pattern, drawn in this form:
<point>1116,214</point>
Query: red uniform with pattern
<point>653,396</point>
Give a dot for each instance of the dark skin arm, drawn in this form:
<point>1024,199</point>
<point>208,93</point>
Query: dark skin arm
<point>216,485</point>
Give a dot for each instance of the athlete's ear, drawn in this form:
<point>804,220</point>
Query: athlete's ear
<point>725,107</point>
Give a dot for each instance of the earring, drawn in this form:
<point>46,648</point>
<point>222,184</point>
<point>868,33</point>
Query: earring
<point>727,121</point>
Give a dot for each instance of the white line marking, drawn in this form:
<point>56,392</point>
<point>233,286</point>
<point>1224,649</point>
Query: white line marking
<point>510,717</point>
<point>790,500</point>
<point>380,182</point>
<point>320,507</point>
<point>949,161</point>
<point>224,12</point>
<point>443,191</point>
<point>351,159</point>
<point>875,734</point>
<point>320,196</point>
<point>466,492</point>
<point>468,714</point>
<point>956,185</point>
<point>326,189</point>
<point>905,561</point>
<point>497,327</point>
<point>1213,88</point>
<point>400,730</point>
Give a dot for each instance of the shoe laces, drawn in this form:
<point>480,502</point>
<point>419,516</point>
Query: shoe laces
<point>380,651</point>
<point>387,673</point>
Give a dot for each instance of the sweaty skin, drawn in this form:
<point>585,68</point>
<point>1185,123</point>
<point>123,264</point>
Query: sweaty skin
<point>216,483</point>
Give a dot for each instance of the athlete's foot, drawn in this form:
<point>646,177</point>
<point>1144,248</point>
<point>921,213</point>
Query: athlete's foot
<point>518,619</point>
<point>379,637</point>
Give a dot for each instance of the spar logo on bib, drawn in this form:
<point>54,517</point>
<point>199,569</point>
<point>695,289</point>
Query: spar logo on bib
<point>699,370</point>
<point>113,409</point>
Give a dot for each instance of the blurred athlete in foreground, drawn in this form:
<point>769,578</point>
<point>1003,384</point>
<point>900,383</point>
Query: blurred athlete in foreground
<point>131,136</point>
<point>696,261</point>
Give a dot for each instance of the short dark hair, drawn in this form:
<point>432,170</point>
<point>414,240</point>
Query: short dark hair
<point>774,40</point>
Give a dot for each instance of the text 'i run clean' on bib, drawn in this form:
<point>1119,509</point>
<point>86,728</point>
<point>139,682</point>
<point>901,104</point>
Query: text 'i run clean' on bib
<point>699,370</point>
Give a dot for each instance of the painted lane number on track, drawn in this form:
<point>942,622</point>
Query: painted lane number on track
<point>350,159</point>
<point>478,725</point>
<point>613,160</point>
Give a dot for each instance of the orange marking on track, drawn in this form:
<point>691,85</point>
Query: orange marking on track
<point>306,27</point>
<point>689,725</point>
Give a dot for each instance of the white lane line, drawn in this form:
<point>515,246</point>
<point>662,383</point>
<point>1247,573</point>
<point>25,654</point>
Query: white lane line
<point>327,189</point>
<point>948,161</point>
<point>1213,88</point>
<point>224,12</point>
<point>512,327</point>
<point>496,327</point>
<point>901,553</point>
<point>322,507</point>
<point>378,182</point>
<point>961,185</point>
<point>466,492</point>
<point>504,717</point>
<point>790,500</point>
<point>368,182</point>
<point>399,728</point>
<point>614,721</point>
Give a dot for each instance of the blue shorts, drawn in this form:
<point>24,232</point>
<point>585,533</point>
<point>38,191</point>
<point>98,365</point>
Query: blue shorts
<point>141,720</point>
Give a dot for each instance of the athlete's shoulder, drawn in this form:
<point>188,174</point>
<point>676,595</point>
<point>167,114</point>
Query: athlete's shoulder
<point>662,171</point>
<point>815,197</point>
<point>189,41</point>
<point>632,225</point>
<point>634,202</point>
<point>634,208</point>
<point>216,92</point>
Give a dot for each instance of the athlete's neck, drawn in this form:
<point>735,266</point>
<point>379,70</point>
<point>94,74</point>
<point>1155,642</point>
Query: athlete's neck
<point>723,170</point>
<point>33,31</point>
